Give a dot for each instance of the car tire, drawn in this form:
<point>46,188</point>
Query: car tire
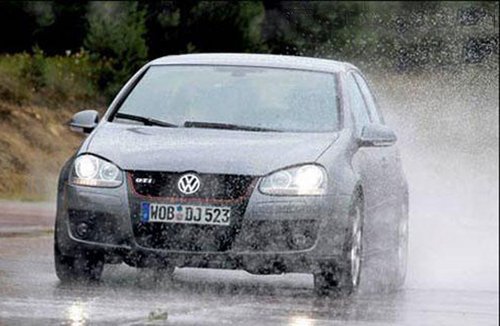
<point>84,266</point>
<point>343,278</point>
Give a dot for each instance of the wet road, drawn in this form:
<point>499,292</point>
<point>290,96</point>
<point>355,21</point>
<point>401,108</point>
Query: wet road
<point>30,294</point>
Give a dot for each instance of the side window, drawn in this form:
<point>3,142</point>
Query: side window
<point>357,103</point>
<point>370,100</point>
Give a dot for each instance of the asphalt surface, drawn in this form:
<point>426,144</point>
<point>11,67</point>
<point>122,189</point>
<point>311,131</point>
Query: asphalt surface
<point>30,293</point>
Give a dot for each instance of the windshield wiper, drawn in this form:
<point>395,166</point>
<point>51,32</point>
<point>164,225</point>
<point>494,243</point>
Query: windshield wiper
<point>147,121</point>
<point>215,125</point>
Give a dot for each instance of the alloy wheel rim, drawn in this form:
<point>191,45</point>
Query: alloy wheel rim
<point>403,240</point>
<point>356,247</point>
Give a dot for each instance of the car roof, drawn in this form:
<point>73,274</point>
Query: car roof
<point>256,60</point>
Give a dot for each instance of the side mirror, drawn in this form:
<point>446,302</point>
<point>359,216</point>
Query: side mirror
<point>377,135</point>
<point>84,121</point>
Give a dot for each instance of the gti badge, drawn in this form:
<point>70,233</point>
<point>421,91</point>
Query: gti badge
<point>144,180</point>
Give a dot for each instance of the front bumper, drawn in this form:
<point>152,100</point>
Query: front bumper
<point>111,209</point>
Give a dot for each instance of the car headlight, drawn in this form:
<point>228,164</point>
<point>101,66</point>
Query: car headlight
<point>89,170</point>
<point>303,180</point>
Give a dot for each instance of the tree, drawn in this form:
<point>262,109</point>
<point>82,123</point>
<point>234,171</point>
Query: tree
<point>204,26</point>
<point>116,36</point>
<point>20,26</point>
<point>62,26</point>
<point>312,28</point>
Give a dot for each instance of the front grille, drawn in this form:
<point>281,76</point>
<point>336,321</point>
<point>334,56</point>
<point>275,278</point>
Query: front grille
<point>213,186</point>
<point>215,189</point>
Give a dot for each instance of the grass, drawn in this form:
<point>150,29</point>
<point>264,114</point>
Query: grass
<point>51,81</point>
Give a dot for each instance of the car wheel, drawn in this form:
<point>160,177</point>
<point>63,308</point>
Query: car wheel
<point>82,267</point>
<point>344,278</point>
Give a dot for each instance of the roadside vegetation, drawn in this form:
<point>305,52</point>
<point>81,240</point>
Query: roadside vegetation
<point>36,79</point>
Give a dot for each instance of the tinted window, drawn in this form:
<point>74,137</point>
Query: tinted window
<point>357,103</point>
<point>370,100</point>
<point>281,99</point>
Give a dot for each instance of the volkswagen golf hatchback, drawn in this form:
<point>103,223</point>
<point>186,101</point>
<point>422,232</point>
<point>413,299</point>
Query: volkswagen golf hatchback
<point>271,164</point>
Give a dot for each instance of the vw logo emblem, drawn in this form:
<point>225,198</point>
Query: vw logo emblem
<point>188,184</point>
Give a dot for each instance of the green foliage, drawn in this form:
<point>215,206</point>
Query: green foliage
<point>312,28</point>
<point>116,36</point>
<point>12,85</point>
<point>38,79</point>
<point>225,26</point>
<point>73,77</point>
<point>33,70</point>
<point>206,26</point>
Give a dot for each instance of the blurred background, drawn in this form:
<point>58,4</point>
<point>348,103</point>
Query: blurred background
<point>433,65</point>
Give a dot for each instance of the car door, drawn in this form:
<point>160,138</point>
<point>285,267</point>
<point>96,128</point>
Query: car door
<point>367,161</point>
<point>385,186</point>
<point>392,184</point>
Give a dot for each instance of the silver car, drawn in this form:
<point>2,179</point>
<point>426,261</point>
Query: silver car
<point>267,163</point>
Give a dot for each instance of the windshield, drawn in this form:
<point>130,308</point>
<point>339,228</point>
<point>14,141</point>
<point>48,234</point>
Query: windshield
<point>253,97</point>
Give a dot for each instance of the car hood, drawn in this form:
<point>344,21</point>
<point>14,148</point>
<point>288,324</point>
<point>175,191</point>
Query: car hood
<point>204,150</point>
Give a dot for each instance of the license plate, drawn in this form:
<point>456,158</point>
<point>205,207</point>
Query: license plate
<point>188,214</point>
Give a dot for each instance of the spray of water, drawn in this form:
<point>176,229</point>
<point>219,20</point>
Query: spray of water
<point>447,122</point>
